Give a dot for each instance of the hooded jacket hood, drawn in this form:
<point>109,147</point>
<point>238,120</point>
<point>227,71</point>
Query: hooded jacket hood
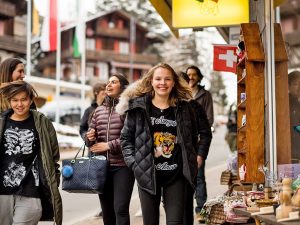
<point>130,93</point>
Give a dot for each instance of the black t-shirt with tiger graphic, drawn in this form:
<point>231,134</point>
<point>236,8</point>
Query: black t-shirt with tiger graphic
<point>167,153</point>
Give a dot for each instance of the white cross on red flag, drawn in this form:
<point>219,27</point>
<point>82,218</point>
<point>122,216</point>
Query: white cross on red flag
<point>225,58</point>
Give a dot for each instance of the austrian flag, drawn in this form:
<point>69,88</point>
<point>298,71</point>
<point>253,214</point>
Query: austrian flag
<point>49,29</point>
<point>225,58</point>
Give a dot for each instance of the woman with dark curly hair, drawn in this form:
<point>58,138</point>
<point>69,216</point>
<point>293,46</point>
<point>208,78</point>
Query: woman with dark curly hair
<point>103,137</point>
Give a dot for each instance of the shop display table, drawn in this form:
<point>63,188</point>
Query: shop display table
<point>268,219</point>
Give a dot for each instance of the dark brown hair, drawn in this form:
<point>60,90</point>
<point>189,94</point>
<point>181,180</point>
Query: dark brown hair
<point>292,76</point>
<point>198,72</point>
<point>97,88</point>
<point>122,79</point>
<point>9,90</point>
<point>7,68</point>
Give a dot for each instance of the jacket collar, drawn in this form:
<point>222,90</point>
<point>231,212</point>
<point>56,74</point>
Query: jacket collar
<point>201,91</point>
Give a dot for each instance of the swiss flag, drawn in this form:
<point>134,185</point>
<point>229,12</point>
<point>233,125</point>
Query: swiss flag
<point>225,58</point>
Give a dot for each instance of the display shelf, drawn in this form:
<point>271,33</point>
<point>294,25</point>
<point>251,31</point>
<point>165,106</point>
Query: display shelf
<point>242,128</point>
<point>241,61</point>
<point>242,105</point>
<point>242,151</point>
<point>250,86</point>
<point>283,128</point>
<point>242,80</point>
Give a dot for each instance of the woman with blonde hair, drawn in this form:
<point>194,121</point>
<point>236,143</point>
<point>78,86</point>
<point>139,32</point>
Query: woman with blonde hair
<point>160,142</point>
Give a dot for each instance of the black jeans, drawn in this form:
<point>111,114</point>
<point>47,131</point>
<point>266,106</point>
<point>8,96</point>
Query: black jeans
<point>173,200</point>
<point>116,196</point>
<point>201,192</point>
<point>189,205</point>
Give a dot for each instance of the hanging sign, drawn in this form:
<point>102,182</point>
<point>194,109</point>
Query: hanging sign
<point>206,13</point>
<point>225,58</point>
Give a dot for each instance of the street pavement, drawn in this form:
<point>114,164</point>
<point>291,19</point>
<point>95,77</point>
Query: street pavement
<point>216,163</point>
<point>213,187</point>
<point>79,209</point>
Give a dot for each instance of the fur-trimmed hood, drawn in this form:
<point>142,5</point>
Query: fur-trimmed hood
<point>128,94</point>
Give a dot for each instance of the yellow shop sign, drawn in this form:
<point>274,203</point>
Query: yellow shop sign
<point>206,13</point>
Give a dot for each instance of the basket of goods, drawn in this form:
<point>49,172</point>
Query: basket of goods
<point>234,200</point>
<point>213,211</point>
<point>226,177</point>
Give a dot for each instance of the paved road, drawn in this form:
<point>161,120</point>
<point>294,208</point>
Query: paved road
<point>79,209</point>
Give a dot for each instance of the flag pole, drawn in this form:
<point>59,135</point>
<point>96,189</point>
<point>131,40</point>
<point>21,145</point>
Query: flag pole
<point>131,47</point>
<point>28,41</point>
<point>83,64</point>
<point>58,64</point>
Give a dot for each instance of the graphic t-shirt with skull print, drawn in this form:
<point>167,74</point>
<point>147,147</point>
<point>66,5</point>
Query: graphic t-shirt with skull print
<point>167,153</point>
<point>18,167</point>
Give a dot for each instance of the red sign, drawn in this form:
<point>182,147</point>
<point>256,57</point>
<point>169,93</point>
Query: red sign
<point>225,58</point>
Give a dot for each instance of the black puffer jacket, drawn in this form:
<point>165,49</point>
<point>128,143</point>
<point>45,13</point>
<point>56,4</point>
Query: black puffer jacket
<point>137,142</point>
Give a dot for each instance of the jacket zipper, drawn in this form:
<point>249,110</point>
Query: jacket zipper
<point>149,124</point>
<point>108,123</point>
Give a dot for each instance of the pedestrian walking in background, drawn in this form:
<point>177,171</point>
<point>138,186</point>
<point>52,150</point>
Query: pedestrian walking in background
<point>99,95</point>
<point>159,142</point>
<point>204,98</point>
<point>11,69</point>
<point>232,128</point>
<point>29,169</point>
<point>205,136</point>
<point>103,137</point>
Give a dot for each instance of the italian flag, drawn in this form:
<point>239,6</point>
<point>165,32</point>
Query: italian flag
<point>49,29</point>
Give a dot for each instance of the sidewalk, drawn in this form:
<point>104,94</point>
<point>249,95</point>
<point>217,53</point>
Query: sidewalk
<point>213,187</point>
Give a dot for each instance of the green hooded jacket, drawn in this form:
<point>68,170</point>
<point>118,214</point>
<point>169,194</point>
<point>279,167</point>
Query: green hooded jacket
<point>48,165</point>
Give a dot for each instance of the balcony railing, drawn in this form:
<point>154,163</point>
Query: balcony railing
<point>107,55</point>
<point>13,44</point>
<point>113,32</point>
<point>7,9</point>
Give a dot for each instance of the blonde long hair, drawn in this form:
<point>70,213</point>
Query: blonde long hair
<point>180,91</point>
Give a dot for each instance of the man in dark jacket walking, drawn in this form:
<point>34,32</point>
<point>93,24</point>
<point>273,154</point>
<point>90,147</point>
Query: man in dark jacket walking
<point>204,98</point>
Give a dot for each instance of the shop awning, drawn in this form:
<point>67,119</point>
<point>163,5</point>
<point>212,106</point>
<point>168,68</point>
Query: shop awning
<point>164,8</point>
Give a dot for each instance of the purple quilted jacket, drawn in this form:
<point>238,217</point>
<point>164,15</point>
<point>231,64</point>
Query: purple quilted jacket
<point>108,125</point>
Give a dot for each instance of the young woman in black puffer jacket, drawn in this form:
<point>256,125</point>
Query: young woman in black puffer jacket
<point>160,142</point>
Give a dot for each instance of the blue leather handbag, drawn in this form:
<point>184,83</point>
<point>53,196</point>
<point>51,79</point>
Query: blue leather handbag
<point>85,174</point>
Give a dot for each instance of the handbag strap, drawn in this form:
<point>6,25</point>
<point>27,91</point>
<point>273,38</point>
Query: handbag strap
<point>83,150</point>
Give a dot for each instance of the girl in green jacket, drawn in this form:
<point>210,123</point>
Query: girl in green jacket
<point>29,154</point>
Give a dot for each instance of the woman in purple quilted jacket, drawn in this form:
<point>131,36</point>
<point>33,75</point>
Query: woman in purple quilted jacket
<point>104,138</point>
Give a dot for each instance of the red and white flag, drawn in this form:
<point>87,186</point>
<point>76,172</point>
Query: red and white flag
<point>225,58</point>
<point>49,29</point>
